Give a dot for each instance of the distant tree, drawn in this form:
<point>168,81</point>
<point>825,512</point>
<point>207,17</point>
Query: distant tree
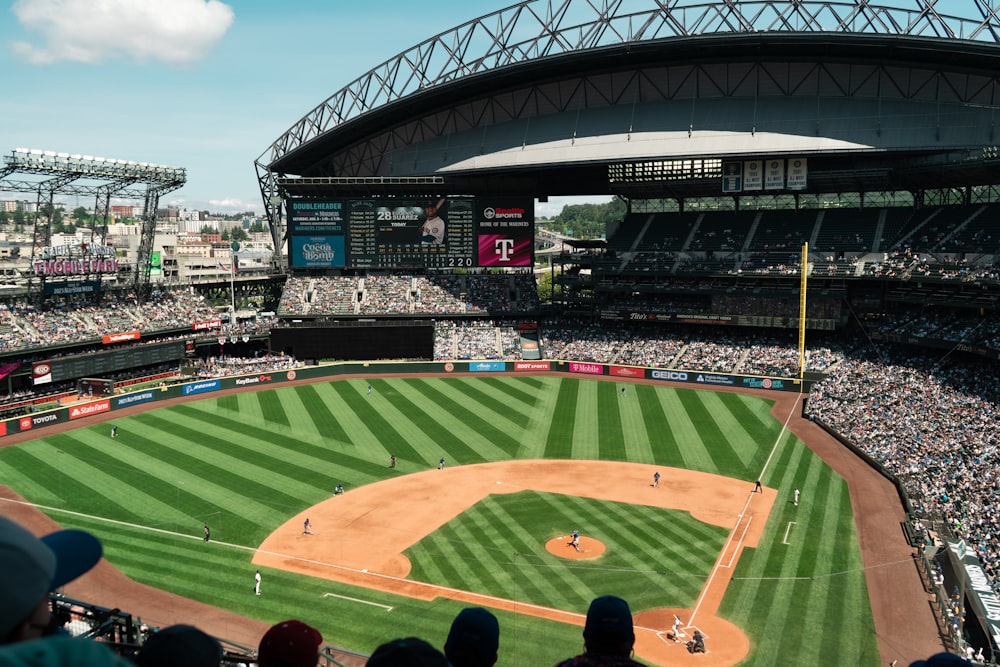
<point>225,234</point>
<point>208,229</point>
<point>257,227</point>
<point>237,234</point>
<point>587,221</point>
<point>81,215</point>
<point>4,219</point>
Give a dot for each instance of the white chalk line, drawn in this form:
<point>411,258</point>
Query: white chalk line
<point>346,597</point>
<point>718,563</point>
<point>788,529</point>
<point>457,594</point>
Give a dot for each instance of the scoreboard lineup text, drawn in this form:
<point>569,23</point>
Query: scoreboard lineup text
<point>393,233</point>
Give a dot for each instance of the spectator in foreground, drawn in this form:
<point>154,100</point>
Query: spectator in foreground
<point>63,651</point>
<point>180,645</point>
<point>473,639</point>
<point>30,569</point>
<point>289,644</point>
<point>407,652</point>
<point>608,636</point>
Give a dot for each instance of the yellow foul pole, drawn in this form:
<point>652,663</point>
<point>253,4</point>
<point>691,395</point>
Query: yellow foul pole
<point>803,270</point>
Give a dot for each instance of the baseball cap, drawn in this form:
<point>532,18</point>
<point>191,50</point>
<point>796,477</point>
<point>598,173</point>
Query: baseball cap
<point>942,660</point>
<point>32,567</point>
<point>474,630</point>
<point>290,644</point>
<point>180,645</point>
<point>407,652</point>
<point>609,622</point>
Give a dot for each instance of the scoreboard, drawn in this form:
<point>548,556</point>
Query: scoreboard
<point>393,233</point>
<point>97,364</point>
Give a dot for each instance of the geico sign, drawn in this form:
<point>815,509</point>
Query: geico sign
<point>681,376</point>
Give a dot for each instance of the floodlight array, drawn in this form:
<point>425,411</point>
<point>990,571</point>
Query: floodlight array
<point>33,159</point>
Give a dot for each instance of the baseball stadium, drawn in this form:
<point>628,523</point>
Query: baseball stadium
<point>760,408</point>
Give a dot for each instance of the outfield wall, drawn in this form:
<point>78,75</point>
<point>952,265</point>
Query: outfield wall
<point>203,387</point>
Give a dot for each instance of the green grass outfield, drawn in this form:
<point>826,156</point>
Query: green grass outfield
<point>246,462</point>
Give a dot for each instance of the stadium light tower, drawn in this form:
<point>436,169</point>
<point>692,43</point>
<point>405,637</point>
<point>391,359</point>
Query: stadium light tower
<point>64,174</point>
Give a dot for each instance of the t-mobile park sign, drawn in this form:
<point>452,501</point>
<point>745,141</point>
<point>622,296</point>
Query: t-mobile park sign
<point>77,259</point>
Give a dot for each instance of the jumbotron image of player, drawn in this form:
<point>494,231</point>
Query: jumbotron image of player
<point>433,229</point>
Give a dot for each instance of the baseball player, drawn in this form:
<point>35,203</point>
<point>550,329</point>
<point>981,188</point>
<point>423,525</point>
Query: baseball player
<point>758,488</point>
<point>441,463</point>
<point>392,460</point>
<point>208,533</point>
<point>256,583</point>
<point>369,390</point>
<point>433,229</point>
<point>656,479</point>
<point>307,528</point>
<point>576,539</point>
<point>796,497</point>
<point>677,628</point>
<point>624,391</point>
<point>114,431</point>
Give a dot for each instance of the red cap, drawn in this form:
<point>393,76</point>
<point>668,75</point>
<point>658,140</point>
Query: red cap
<point>290,644</point>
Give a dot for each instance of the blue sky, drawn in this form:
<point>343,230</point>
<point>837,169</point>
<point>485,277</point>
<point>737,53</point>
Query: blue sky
<point>200,84</point>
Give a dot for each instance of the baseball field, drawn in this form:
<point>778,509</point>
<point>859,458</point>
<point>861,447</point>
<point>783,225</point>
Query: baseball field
<point>527,460</point>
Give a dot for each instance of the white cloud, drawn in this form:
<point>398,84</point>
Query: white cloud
<point>231,204</point>
<point>176,32</point>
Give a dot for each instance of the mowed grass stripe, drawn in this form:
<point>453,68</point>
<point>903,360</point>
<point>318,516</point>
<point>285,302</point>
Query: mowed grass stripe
<point>295,458</point>
<point>562,427</point>
<point>271,407</point>
<point>690,451</point>
<point>534,438</point>
<point>467,416</point>
<point>744,439</point>
<point>610,439</point>
<point>73,482</point>
<point>712,452</point>
<point>152,487</point>
<point>443,431</point>
<point>326,424</point>
<point>637,440</point>
<point>663,446</point>
<point>494,408</point>
<point>370,415</point>
<point>237,485</point>
<point>520,395</point>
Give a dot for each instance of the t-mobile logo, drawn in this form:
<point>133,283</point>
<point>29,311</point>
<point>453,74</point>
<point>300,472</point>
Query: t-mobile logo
<point>503,247</point>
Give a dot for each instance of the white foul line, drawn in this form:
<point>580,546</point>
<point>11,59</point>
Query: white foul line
<point>788,529</point>
<point>344,597</point>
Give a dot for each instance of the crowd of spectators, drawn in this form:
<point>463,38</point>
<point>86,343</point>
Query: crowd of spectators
<point>932,422</point>
<point>407,294</point>
<point>24,325</point>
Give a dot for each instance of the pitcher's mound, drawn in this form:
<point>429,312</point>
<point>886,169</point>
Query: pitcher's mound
<point>562,546</point>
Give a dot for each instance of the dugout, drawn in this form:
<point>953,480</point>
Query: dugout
<point>357,340</point>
